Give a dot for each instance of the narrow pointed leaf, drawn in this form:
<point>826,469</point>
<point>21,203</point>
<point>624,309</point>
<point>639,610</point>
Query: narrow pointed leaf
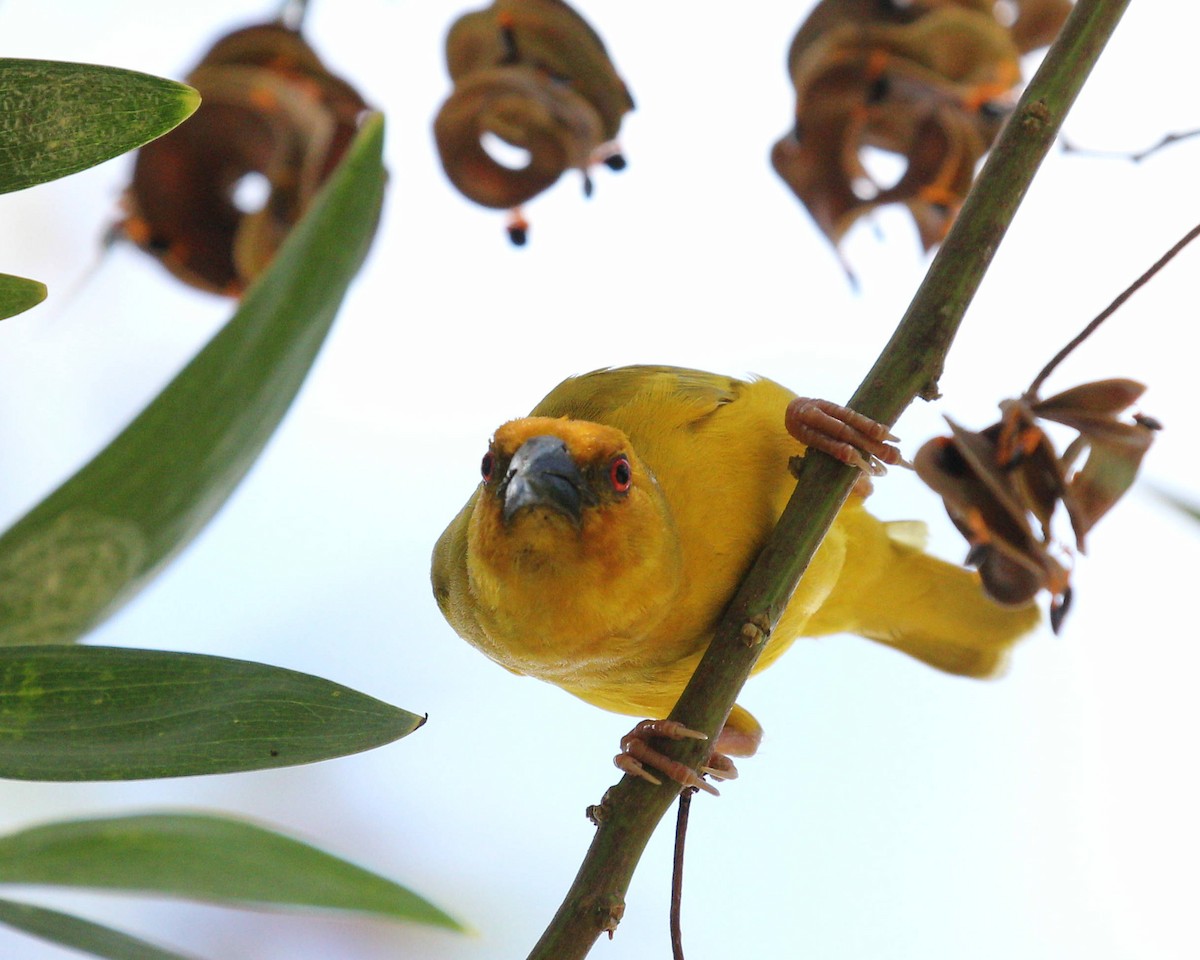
<point>18,294</point>
<point>94,541</point>
<point>204,857</point>
<point>107,713</point>
<point>79,934</point>
<point>60,118</point>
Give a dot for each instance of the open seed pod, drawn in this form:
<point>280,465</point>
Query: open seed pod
<point>930,81</point>
<point>1002,485</point>
<point>270,110</point>
<point>527,109</point>
<point>535,75</point>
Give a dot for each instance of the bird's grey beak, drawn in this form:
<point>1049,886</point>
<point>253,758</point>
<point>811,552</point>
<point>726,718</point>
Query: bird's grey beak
<point>542,473</point>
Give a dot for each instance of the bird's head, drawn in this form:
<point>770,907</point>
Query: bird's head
<point>569,515</point>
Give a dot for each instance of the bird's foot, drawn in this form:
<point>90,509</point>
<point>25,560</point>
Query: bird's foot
<point>637,756</point>
<point>842,433</point>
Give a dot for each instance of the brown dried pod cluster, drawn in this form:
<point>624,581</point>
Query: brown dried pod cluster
<point>535,75</point>
<point>928,80</point>
<point>1002,485</point>
<point>270,109</point>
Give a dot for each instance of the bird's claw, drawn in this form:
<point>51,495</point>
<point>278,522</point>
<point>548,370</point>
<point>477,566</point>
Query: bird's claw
<point>844,434</point>
<point>637,754</point>
<point>720,767</point>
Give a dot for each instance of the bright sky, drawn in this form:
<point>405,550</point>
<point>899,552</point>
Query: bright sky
<point>892,812</point>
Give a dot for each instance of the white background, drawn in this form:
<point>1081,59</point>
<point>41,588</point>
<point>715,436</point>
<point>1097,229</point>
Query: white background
<point>893,812</point>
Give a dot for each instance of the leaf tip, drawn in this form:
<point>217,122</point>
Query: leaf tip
<point>188,102</point>
<point>18,294</point>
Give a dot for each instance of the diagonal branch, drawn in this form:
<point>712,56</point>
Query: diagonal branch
<point>909,366</point>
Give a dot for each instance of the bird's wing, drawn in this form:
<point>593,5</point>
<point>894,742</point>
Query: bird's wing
<point>605,395</point>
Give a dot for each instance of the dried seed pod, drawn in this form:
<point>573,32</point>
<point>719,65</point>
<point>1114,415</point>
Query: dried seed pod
<point>1114,447</point>
<point>1013,559</point>
<point>526,109</point>
<point>997,482</point>
<point>1036,23</point>
<point>534,74</point>
<point>930,81</point>
<point>270,109</point>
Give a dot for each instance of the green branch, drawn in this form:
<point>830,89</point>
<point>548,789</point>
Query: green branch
<point>909,366</point>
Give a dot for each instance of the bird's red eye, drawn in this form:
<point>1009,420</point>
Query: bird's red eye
<point>620,474</point>
<point>486,467</point>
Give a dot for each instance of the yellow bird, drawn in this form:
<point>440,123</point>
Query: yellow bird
<point>614,523</point>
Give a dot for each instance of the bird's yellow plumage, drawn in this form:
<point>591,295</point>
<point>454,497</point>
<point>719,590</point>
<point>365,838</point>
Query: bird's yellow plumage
<point>616,521</point>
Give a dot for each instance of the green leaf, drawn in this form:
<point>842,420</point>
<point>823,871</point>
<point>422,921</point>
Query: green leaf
<point>92,543</point>
<point>108,713</point>
<point>18,294</point>
<point>60,118</point>
<point>204,857</point>
<point>81,934</point>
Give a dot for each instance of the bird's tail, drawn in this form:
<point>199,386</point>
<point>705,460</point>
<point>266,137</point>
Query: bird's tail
<point>893,592</point>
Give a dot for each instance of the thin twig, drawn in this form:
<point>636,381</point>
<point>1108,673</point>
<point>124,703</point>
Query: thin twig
<point>1110,310</point>
<point>1136,156</point>
<point>681,822</point>
<point>909,365</point>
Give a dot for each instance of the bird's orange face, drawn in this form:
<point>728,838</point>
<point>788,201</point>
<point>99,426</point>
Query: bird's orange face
<point>570,533</point>
<point>550,483</point>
